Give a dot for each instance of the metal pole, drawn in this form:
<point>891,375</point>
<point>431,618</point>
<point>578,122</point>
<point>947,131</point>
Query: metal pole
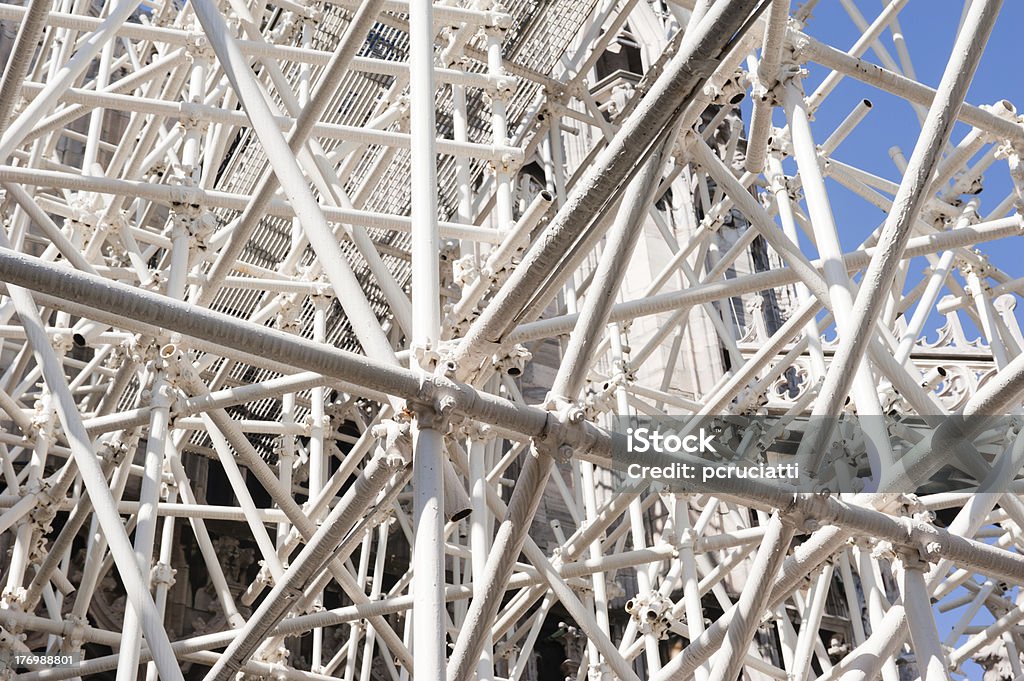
<point>96,484</point>
<point>596,188</point>
<point>767,77</point>
<point>840,288</point>
<point>931,660</point>
<point>145,527</point>
<point>956,78</point>
<point>21,57</point>
<point>428,615</point>
<point>512,533</point>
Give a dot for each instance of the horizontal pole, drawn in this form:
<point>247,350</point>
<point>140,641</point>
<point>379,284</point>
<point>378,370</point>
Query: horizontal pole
<point>901,86</point>
<point>194,196</point>
<point>761,281</point>
<point>443,16</point>
<point>163,312</point>
<point>192,111</point>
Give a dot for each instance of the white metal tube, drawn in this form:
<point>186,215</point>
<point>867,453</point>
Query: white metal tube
<point>814,609</point>
<point>245,502</point>
<point>925,304</point>
<point>855,326</point>
<point>162,576</point>
<point>428,442</point>
<point>931,660</point>
<point>979,290</point>
<point>96,483</point>
<point>147,514</point>
<point>839,284</point>
<point>843,130</point>
<point>767,77</point>
<point>973,605</point>
<point>65,77</point>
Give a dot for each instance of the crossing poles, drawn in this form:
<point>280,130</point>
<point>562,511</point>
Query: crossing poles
<point>967,51</point>
<point>390,327</point>
<point>672,91</point>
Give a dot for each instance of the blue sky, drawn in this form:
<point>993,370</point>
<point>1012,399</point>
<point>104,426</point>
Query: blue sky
<point>929,27</point>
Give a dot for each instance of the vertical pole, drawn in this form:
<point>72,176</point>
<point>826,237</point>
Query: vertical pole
<point>691,586</point>
<point>460,125</point>
<point>931,660</point>
<point>428,615</point>
<point>499,128</point>
<point>636,520</point>
<point>479,540</point>
<point>809,627</point>
<point>92,142</point>
<point>317,454</point>
<point>777,179</point>
<point>145,527</point>
<point>158,438</point>
<point>21,56</point>
<point>767,76</point>
<point>163,577</point>
<point>375,591</point>
<point>355,632</point>
<point>600,595</point>
<point>979,291</point>
<point>840,287</point>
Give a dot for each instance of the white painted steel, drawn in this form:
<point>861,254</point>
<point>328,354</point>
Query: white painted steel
<point>387,272</point>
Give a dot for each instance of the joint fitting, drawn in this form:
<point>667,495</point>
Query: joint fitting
<point>162,573</point>
<point>395,437</point>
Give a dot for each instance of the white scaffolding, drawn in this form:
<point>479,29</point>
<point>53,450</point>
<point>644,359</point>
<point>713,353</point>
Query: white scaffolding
<point>318,320</point>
